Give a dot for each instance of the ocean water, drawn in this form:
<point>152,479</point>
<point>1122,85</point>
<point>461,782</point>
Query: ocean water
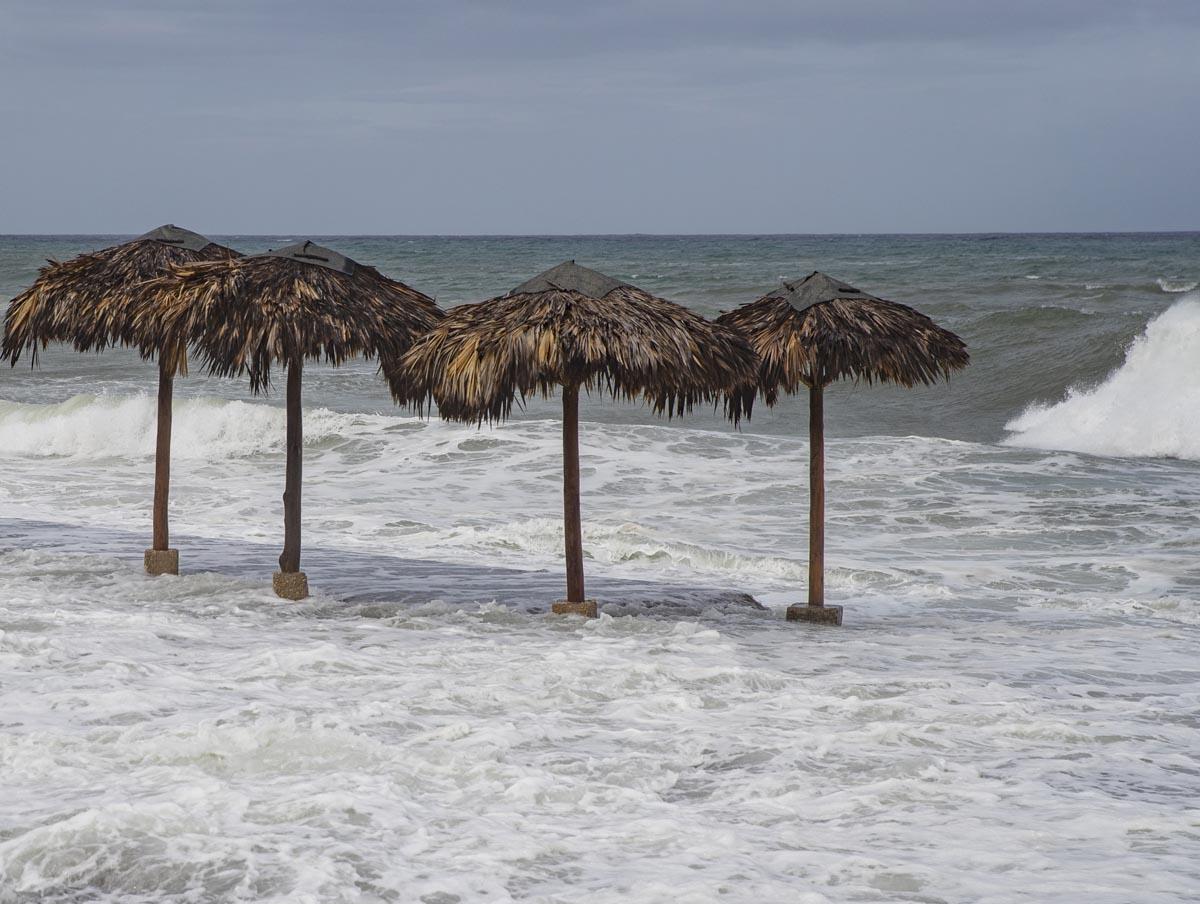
<point>1011,712</point>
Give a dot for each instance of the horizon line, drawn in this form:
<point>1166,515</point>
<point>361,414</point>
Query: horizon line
<point>1167,230</point>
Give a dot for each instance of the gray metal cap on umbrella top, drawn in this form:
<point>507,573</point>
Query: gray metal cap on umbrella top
<point>570,277</point>
<point>817,288</point>
<point>307,252</point>
<point>177,237</point>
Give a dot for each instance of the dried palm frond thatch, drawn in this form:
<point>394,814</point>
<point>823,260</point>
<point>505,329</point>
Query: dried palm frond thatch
<point>578,329</point>
<point>572,326</point>
<point>817,330</point>
<point>302,302</point>
<point>91,302</point>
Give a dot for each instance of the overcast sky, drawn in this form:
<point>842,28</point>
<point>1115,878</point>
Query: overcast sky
<point>553,116</point>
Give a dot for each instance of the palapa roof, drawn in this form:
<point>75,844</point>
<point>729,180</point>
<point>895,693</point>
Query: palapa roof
<point>242,315</point>
<point>819,329</point>
<point>90,300</point>
<point>575,326</point>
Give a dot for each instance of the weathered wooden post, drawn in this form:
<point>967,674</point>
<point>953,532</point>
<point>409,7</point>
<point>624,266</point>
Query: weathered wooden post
<point>575,603</point>
<point>289,582</point>
<point>816,610</point>
<point>160,558</point>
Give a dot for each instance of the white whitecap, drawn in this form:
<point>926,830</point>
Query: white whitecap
<point>1176,285</point>
<point>89,426</point>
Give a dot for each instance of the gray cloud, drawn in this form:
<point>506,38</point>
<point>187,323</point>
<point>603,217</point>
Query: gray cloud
<point>626,116</point>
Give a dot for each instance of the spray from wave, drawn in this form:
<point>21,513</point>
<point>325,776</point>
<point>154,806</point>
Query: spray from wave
<point>1149,407</point>
<point>88,426</point>
<point>1174,286</point>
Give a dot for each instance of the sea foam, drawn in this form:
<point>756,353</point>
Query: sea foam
<point>1148,407</point>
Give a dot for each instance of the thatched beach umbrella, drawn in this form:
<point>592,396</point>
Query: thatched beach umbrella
<point>302,302</point>
<point>90,302</point>
<point>574,328</point>
<point>817,330</point>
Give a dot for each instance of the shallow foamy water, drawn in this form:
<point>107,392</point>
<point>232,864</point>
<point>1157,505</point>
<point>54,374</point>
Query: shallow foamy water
<point>196,737</point>
<point>1009,714</point>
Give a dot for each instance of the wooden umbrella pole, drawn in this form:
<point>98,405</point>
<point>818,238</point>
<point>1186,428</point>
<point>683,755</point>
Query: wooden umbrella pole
<point>816,508</point>
<point>289,561</point>
<point>162,454</point>
<point>571,520</point>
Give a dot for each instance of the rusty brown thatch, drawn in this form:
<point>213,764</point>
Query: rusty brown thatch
<point>89,301</point>
<point>301,302</point>
<point>812,332</point>
<point>574,326</point>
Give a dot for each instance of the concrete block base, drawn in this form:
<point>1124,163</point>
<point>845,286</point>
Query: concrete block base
<point>818,615</point>
<point>290,585</point>
<point>587,608</point>
<point>161,561</point>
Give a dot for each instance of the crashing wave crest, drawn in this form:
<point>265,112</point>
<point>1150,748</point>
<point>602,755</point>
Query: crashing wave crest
<point>89,426</point>
<point>1148,407</point>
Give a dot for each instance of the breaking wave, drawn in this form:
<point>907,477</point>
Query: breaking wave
<point>1148,407</point>
<point>89,426</point>
<point>1176,285</point>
